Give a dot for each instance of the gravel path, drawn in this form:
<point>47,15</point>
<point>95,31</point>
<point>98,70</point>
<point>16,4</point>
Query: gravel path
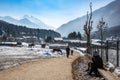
<point>45,69</point>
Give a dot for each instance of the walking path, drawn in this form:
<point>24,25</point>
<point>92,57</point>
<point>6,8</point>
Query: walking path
<point>45,69</point>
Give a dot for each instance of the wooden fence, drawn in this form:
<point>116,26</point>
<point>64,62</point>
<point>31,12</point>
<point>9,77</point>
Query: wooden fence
<point>110,51</point>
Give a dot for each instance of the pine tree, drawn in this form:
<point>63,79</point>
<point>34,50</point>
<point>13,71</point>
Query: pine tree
<point>79,36</point>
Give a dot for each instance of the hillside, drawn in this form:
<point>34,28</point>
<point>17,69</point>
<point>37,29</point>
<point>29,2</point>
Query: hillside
<point>110,13</point>
<point>114,31</point>
<point>19,31</point>
<point>110,32</point>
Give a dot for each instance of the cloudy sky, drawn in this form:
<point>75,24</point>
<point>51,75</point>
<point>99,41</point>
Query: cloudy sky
<point>51,12</point>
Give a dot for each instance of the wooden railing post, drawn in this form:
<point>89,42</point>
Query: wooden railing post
<point>107,58</point>
<point>117,52</point>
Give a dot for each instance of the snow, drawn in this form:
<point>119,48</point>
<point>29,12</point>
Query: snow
<point>79,51</point>
<point>83,41</point>
<point>25,52</point>
<point>82,48</point>
<point>25,44</point>
<point>117,71</point>
<point>95,40</point>
<point>109,65</point>
<point>96,43</point>
<point>8,42</point>
<point>74,41</point>
<point>58,44</point>
<point>60,39</point>
<point>13,56</point>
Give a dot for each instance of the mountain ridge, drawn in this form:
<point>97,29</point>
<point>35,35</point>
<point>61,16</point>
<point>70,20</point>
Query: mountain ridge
<point>27,21</point>
<point>110,13</point>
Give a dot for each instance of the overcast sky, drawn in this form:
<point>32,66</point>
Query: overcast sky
<point>51,12</point>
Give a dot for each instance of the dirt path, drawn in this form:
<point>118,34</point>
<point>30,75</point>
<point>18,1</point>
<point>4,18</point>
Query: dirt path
<point>45,69</point>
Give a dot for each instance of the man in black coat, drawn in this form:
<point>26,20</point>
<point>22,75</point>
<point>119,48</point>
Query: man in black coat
<point>68,51</point>
<point>97,62</point>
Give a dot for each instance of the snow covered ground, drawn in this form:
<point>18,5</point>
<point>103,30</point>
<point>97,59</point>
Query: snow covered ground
<point>12,56</point>
<point>81,50</point>
<point>25,52</point>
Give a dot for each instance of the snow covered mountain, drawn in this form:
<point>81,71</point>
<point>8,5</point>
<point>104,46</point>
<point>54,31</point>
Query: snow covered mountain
<point>38,22</point>
<point>28,21</point>
<point>110,13</point>
<point>9,19</point>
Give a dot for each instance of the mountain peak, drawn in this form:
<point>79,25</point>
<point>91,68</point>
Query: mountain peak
<point>30,17</point>
<point>28,21</point>
<point>8,17</point>
<point>38,22</point>
<point>24,19</point>
<point>25,16</point>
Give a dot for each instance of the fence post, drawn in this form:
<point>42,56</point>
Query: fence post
<point>107,58</point>
<point>117,52</point>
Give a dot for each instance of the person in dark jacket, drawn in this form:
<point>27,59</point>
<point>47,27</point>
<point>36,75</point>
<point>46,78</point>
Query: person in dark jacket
<point>71,52</point>
<point>67,51</point>
<point>97,62</point>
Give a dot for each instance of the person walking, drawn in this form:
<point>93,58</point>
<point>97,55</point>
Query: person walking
<point>67,51</point>
<point>71,52</point>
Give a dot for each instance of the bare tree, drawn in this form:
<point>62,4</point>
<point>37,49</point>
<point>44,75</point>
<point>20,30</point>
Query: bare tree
<point>102,26</point>
<point>4,35</point>
<point>88,28</point>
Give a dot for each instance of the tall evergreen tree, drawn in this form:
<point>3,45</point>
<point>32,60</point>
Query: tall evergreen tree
<point>79,35</point>
<point>74,35</point>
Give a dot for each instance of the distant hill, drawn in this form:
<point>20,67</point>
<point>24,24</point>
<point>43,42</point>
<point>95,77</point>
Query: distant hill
<point>110,32</point>
<point>113,31</point>
<point>110,13</point>
<point>20,31</point>
<point>28,21</point>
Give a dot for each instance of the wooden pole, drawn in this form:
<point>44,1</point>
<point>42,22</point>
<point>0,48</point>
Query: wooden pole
<point>107,58</point>
<point>117,52</point>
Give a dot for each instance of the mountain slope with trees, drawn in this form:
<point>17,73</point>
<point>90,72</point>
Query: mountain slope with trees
<point>20,31</point>
<point>109,32</point>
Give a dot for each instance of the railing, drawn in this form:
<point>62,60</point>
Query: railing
<point>110,51</point>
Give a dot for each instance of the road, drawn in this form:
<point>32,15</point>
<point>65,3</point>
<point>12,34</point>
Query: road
<point>44,69</point>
